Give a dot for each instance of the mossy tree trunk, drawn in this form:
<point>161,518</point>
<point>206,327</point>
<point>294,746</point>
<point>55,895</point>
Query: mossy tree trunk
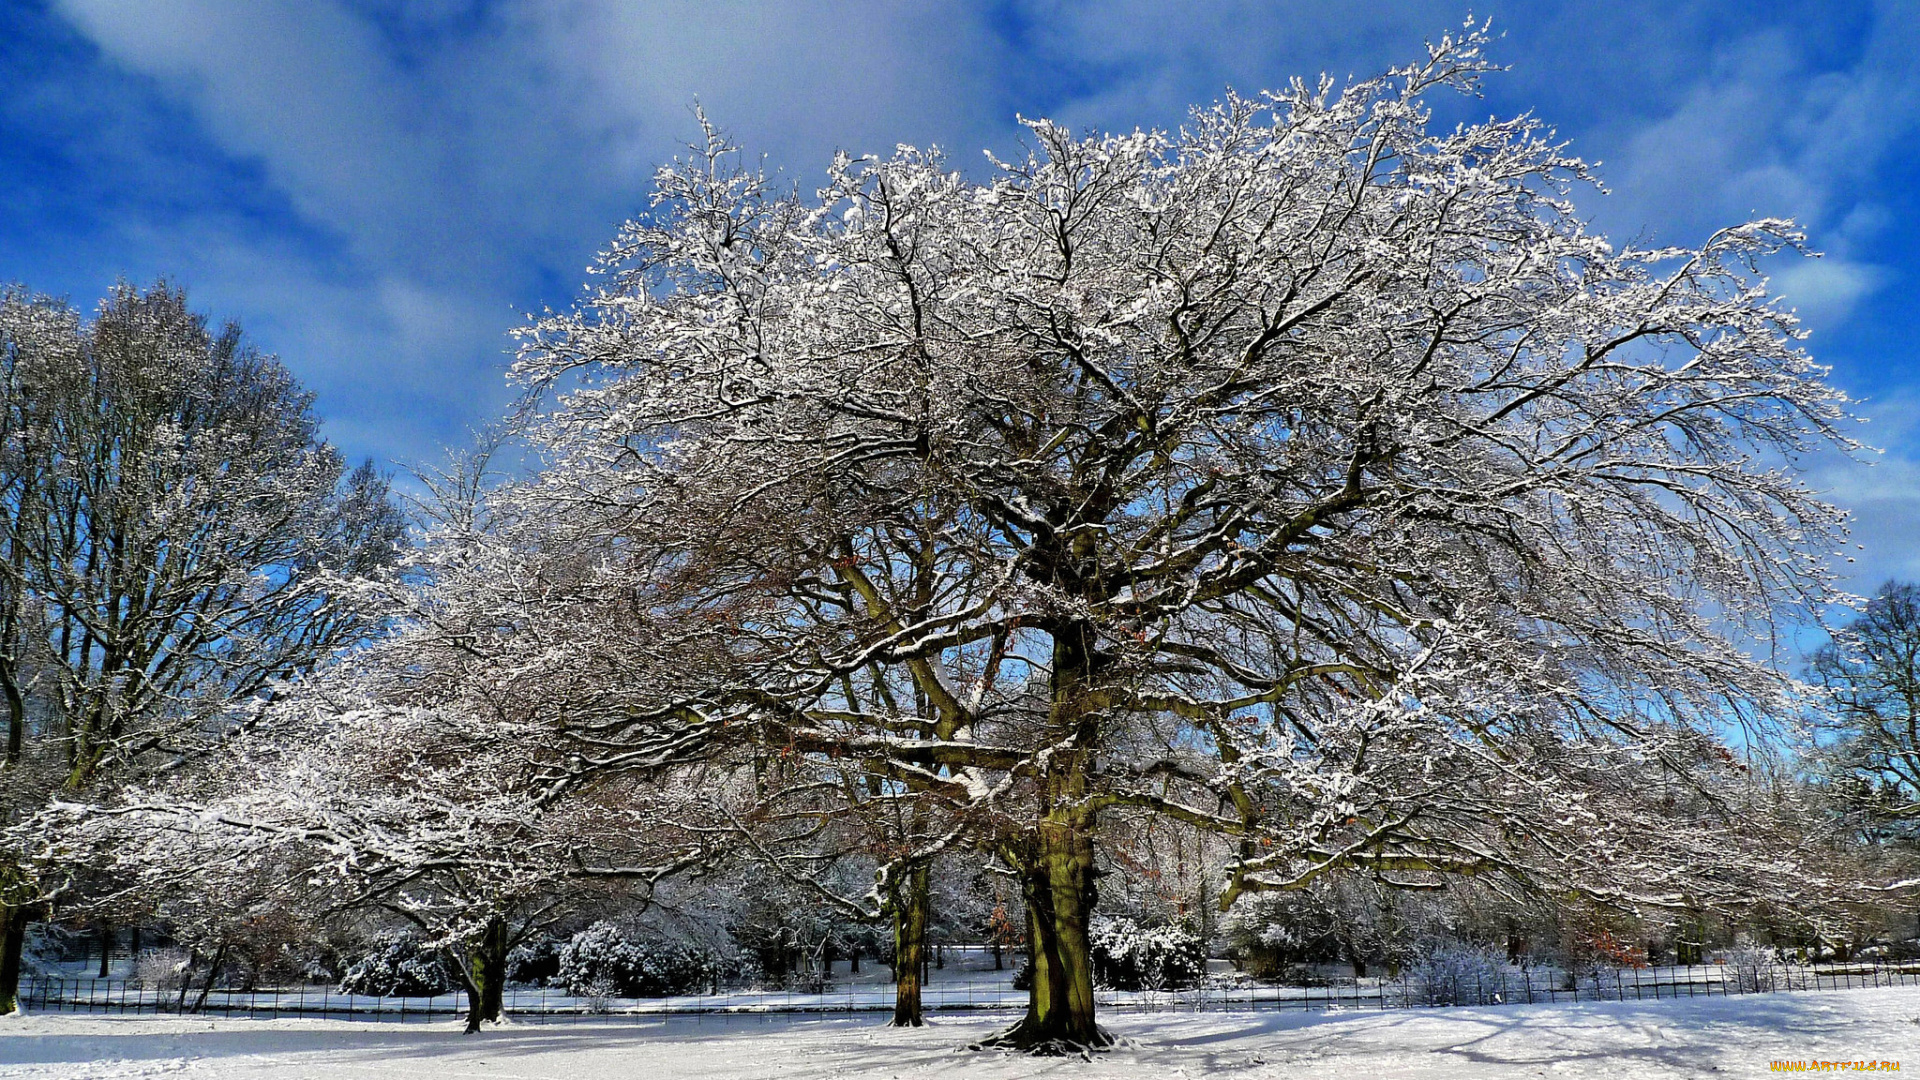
<point>1059,892</point>
<point>486,975</point>
<point>1056,867</point>
<point>911,899</point>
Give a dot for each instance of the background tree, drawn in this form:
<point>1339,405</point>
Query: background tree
<point>1871,673</point>
<point>175,540</point>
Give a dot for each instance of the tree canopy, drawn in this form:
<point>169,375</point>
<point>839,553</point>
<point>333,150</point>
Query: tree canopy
<point>1306,475</point>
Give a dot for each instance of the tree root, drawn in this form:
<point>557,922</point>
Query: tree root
<point>1018,1038</point>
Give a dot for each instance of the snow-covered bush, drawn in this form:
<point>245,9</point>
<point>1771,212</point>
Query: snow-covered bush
<point>161,969</point>
<point>1454,973</point>
<point>1129,956</point>
<point>1754,969</point>
<point>599,996</point>
<point>398,965</point>
<point>45,946</point>
<point>535,961</point>
<point>603,957</point>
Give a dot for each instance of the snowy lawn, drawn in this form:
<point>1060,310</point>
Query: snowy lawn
<point>1732,1037</point>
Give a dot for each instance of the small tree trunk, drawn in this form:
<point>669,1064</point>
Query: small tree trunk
<point>186,979</point>
<point>486,975</point>
<point>106,946</point>
<point>213,972</point>
<point>910,903</point>
<point>996,956</point>
<point>853,962</point>
<point>13,940</point>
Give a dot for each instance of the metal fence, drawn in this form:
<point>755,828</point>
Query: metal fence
<point>1507,987</point>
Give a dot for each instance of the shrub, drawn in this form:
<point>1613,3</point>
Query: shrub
<point>1129,956</point>
<point>535,961</point>
<point>603,957</point>
<point>398,965</point>
<point>46,945</point>
<point>1454,973</point>
<point>161,969</point>
<point>1754,969</point>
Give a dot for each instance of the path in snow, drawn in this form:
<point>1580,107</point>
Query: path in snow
<point>1719,1037</point>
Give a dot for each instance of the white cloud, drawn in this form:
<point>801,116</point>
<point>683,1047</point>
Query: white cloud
<point>1824,291</point>
<point>473,175</point>
<point>461,181</point>
<point>1762,131</point>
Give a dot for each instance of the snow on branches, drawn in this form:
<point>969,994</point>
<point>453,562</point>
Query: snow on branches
<point>1305,475</point>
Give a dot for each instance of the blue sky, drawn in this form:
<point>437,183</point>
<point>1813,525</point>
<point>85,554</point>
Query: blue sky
<point>379,191</point>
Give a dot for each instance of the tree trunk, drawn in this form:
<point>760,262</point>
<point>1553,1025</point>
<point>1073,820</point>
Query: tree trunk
<point>853,962</point>
<point>186,979</point>
<point>1055,864</point>
<point>1058,884</point>
<point>213,972</point>
<point>910,902</point>
<point>486,975</point>
<point>13,940</point>
<point>106,947</point>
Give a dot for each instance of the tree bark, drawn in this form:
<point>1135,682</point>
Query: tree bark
<point>213,972</point>
<point>106,947</point>
<point>911,899</point>
<point>1059,895</point>
<point>186,979</point>
<point>1056,869</point>
<point>486,975</point>
<point>13,940</point>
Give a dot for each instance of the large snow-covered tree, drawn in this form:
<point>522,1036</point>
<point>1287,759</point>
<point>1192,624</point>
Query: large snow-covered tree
<point>175,540</point>
<point>1308,475</point>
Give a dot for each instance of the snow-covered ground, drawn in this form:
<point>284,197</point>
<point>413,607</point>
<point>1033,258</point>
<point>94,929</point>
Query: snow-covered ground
<point>1718,1037</point>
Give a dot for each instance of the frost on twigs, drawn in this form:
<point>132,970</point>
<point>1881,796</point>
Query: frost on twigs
<point>1306,477</point>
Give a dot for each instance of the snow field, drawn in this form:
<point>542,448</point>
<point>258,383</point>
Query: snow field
<point>1718,1037</point>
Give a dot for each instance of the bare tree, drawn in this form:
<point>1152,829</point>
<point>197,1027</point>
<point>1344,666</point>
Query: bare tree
<point>1871,672</point>
<point>1306,476</point>
<point>175,540</point>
